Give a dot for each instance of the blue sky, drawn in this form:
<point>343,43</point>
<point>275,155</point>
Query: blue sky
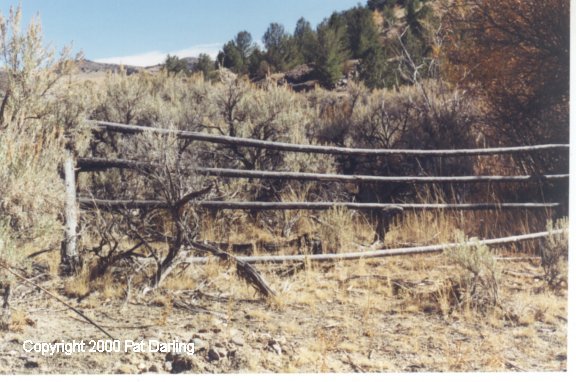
<point>142,32</point>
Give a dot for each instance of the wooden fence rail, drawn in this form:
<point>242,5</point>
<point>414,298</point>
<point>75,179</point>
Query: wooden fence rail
<point>332,150</point>
<point>385,252</point>
<point>87,202</point>
<point>98,164</point>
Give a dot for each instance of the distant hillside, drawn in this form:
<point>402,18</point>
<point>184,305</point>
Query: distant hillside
<point>87,66</point>
<point>92,70</point>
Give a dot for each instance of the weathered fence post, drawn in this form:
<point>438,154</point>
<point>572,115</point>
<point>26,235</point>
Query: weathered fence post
<point>70,260</point>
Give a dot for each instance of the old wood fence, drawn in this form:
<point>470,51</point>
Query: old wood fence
<point>99,164</point>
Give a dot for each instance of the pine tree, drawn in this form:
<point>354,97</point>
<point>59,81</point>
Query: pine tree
<point>235,54</point>
<point>245,45</point>
<point>174,64</point>
<point>331,52</point>
<point>374,70</point>
<point>305,41</point>
<point>361,31</point>
<point>280,47</point>
<point>204,64</point>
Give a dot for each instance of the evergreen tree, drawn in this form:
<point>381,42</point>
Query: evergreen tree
<point>305,41</point>
<point>380,5</point>
<point>244,44</point>
<point>235,53</point>
<point>204,64</point>
<point>361,31</point>
<point>416,38</point>
<point>258,67</point>
<point>280,47</point>
<point>174,64</point>
<point>330,52</point>
<point>416,12</point>
<point>374,70</point>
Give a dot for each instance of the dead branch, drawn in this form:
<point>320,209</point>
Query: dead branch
<point>388,252</point>
<point>75,310</point>
<point>244,270</point>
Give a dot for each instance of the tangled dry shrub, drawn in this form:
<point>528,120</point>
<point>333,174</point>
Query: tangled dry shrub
<point>428,115</point>
<point>227,106</point>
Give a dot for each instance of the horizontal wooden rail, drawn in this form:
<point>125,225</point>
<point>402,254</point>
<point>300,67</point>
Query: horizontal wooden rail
<point>282,146</point>
<point>87,202</point>
<point>385,252</point>
<point>98,164</point>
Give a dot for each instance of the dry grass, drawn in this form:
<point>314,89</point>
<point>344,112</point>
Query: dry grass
<point>78,285</point>
<point>393,314</point>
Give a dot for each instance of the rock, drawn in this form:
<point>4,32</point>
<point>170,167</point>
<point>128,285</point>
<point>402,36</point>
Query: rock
<point>203,334</point>
<point>274,345</point>
<point>238,340</point>
<point>306,87</point>
<point>153,369</point>
<point>126,369</point>
<point>301,73</point>
<point>199,344</point>
<point>181,363</point>
<point>31,364</point>
<point>216,354</point>
<point>168,366</point>
<point>233,332</point>
<point>142,366</point>
<point>152,334</point>
<point>213,355</point>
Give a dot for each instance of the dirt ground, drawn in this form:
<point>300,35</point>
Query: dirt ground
<point>388,315</point>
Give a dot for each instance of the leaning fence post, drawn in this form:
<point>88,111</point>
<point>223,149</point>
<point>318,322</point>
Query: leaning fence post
<point>70,261</point>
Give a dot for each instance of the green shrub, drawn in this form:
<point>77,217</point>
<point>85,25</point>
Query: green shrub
<point>480,277</point>
<point>39,113</point>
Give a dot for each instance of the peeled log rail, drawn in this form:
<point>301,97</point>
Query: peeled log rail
<point>332,150</point>
<point>232,205</point>
<point>385,252</point>
<point>97,164</point>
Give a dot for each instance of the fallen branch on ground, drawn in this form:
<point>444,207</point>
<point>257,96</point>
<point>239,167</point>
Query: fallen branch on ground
<point>243,269</point>
<point>386,252</point>
<point>78,312</point>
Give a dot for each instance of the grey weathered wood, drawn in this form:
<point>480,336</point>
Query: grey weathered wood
<point>282,146</point>
<point>70,257</point>
<point>367,206</point>
<point>386,252</point>
<point>234,205</point>
<point>97,164</point>
<point>243,269</point>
